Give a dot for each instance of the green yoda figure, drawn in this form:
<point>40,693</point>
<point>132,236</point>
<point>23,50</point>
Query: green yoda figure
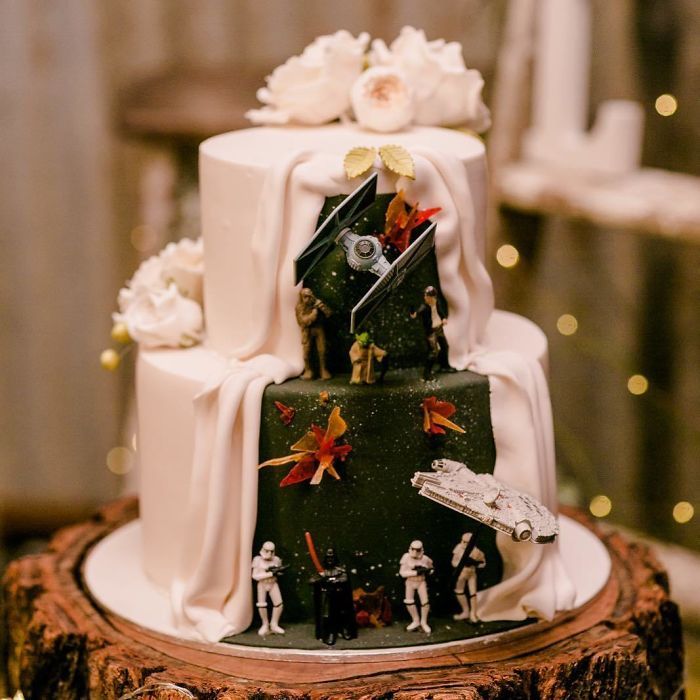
<point>363,353</point>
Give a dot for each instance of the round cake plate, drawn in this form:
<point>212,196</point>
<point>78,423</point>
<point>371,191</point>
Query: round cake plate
<point>115,578</point>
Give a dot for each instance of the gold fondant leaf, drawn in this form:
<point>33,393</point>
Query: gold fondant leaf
<point>358,161</point>
<point>336,425</point>
<point>305,444</point>
<point>441,420</point>
<point>398,160</point>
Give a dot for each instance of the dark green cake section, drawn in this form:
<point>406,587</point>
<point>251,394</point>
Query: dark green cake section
<point>372,514</point>
<point>341,287</point>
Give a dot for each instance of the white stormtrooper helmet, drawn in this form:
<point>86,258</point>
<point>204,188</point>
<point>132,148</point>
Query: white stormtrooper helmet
<point>267,551</point>
<point>416,549</point>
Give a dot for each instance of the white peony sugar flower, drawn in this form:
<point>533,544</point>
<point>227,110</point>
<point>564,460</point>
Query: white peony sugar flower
<point>313,88</point>
<point>162,317</point>
<point>161,305</point>
<point>445,92</point>
<point>183,263</point>
<point>382,99</point>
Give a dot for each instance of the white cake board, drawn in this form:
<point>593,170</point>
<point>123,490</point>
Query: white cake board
<point>116,580</point>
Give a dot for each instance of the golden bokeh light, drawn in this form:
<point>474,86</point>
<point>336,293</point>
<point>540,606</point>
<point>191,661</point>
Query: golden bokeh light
<point>683,512</point>
<point>145,238</point>
<point>666,105</point>
<point>637,384</point>
<point>120,460</point>
<point>600,506</point>
<point>567,324</point>
<point>507,256</point>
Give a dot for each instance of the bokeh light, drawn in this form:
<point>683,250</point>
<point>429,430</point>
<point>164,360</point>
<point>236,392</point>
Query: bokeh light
<point>120,460</point>
<point>683,512</point>
<point>507,256</point>
<point>666,105</point>
<point>637,384</point>
<point>145,238</point>
<point>567,324</point>
<point>600,506</point>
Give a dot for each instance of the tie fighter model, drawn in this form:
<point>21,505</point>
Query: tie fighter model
<point>362,253</point>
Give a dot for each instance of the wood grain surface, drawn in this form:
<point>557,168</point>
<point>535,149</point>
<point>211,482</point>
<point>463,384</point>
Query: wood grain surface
<point>626,643</point>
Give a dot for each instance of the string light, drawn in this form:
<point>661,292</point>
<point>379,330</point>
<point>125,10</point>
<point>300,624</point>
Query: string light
<point>600,506</point>
<point>666,105</point>
<point>567,324</point>
<point>637,384</point>
<point>507,256</point>
<point>120,460</point>
<point>683,512</point>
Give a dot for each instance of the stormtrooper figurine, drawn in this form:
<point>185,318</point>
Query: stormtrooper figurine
<point>465,586</point>
<point>414,567</point>
<point>266,566</point>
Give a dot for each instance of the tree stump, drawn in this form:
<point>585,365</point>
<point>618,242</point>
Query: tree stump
<point>625,643</point>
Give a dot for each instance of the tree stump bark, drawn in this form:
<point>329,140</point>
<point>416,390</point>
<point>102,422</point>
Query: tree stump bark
<point>626,643</point>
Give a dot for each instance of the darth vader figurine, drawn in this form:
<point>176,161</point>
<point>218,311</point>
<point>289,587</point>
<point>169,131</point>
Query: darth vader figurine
<point>333,606</point>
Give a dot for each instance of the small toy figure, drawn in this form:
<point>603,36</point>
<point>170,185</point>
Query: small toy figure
<point>372,608</point>
<point>311,314</point>
<point>466,559</point>
<point>414,567</point>
<point>363,353</point>
<point>266,567</point>
<point>433,326</point>
<point>333,604</point>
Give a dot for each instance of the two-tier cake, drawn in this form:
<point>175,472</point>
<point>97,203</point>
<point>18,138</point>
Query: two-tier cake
<point>331,335</point>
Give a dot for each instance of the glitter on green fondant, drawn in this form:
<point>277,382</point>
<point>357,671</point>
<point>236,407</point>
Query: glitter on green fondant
<point>373,513</point>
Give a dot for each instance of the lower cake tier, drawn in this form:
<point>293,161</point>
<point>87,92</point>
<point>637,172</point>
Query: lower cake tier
<point>372,513</point>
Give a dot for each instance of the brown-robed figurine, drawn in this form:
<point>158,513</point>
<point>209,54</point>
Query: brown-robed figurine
<point>311,315</point>
<point>363,353</point>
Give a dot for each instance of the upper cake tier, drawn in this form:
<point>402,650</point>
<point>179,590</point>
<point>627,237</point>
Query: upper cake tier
<point>237,174</point>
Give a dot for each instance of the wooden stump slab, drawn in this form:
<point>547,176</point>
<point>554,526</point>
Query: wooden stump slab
<point>626,643</point>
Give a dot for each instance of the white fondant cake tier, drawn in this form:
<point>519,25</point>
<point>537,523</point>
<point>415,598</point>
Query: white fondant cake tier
<point>233,171</point>
<point>167,383</point>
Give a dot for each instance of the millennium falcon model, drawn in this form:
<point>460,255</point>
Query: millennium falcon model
<point>362,253</point>
<point>487,500</point>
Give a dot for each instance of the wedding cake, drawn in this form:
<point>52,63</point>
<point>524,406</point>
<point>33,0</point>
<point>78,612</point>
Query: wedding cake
<point>332,333</point>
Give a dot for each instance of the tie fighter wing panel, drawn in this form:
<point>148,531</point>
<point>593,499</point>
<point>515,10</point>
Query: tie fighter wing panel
<point>403,266</point>
<point>343,216</point>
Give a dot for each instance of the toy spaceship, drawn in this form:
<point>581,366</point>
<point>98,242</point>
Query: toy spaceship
<point>487,500</point>
<point>362,253</point>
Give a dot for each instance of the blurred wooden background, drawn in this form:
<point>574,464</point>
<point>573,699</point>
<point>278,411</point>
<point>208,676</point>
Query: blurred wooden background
<point>80,192</point>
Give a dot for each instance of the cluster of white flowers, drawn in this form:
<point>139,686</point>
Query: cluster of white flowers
<point>161,305</point>
<point>412,81</point>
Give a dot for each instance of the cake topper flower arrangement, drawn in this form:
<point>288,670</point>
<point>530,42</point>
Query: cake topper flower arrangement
<point>161,305</point>
<point>412,81</point>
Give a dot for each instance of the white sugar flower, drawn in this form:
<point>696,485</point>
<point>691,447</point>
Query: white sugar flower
<point>149,275</point>
<point>382,99</point>
<point>161,317</point>
<point>313,88</point>
<point>445,92</point>
<point>161,305</point>
<point>183,263</point>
